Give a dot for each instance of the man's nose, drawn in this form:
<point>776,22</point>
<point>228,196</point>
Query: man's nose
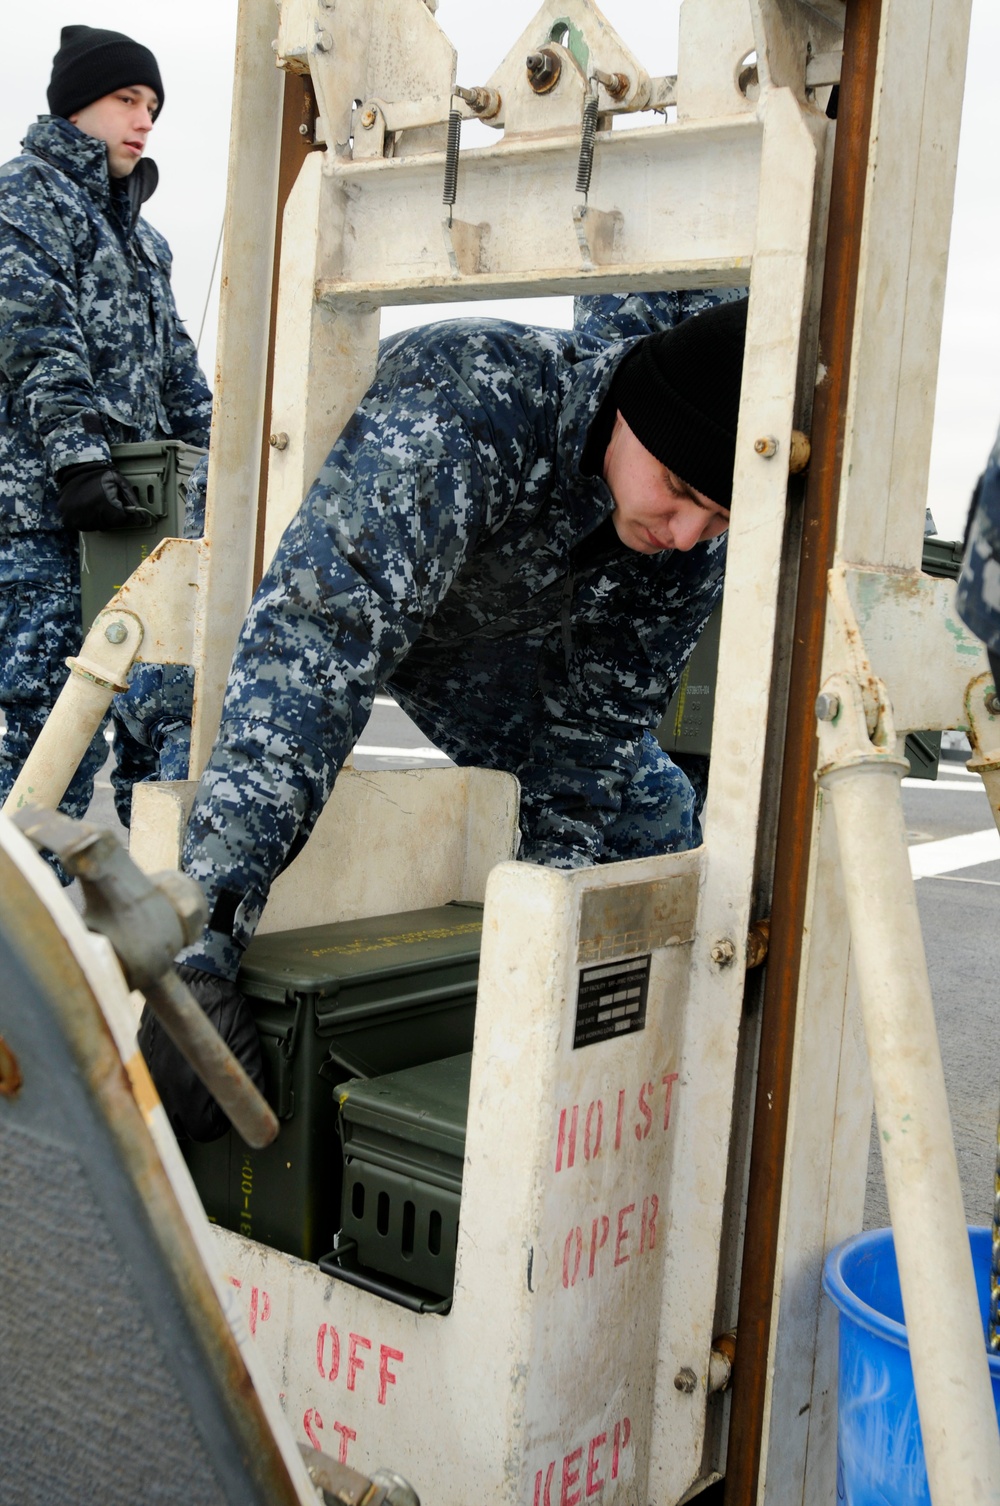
<point>687,530</point>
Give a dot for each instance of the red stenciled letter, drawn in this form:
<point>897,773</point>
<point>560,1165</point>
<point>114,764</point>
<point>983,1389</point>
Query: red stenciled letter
<point>334,1351</point>
<point>561,1144</point>
<point>642,1130</point>
<point>354,1362</point>
<point>593,1483</point>
<point>347,1435</point>
<point>573,1121</point>
<point>260,1307</point>
<point>595,1243</point>
<point>647,1236</point>
<point>545,1500</point>
<point>623,1234</point>
<point>574,1247</point>
<point>623,1431</point>
<point>618,1121</point>
<point>669,1078</point>
<point>312,1422</point>
<point>385,1375</point>
<point>571,1476</point>
<point>591,1133</point>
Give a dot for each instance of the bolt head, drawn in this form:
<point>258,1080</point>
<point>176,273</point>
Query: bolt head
<point>992,703</point>
<point>723,952</point>
<point>766,446</point>
<point>116,632</point>
<point>543,70</point>
<point>278,441</point>
<point>685,1380</point>
<point>827,706</point>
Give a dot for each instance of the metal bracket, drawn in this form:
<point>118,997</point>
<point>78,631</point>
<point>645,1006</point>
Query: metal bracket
<point>147,921</point>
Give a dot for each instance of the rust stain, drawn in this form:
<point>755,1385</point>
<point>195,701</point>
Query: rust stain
<point>797,793</point>
<point>757,942</point>
<point>10,1072</point>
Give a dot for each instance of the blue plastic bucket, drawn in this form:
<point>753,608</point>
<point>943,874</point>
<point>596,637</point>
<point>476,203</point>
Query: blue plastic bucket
<point>880,1453</point>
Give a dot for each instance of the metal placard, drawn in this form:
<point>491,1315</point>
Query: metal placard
<point>611,1001</point>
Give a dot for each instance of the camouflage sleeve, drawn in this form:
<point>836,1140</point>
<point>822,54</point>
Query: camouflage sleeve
<point>602,691</point>
<point>978,594</point>
<point>43,354</point>
<point>371,552</point>
<point>605,317</point>
<point>194,500</point>
<point>185,392</point>
<point>183,388</point>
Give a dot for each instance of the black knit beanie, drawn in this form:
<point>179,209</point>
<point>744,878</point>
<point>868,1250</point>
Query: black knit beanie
<point>91,63</point>
<point>679,393</point>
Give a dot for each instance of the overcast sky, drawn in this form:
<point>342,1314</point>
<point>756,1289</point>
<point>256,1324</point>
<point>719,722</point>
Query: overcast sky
<point>193,41</point>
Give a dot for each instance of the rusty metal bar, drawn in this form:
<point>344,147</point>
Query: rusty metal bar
<point>774,1076</point>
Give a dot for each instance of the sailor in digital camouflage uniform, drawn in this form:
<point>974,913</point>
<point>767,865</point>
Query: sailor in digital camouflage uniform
<point>519,535</point>
<point>92,353</point>
<point>978,595</point>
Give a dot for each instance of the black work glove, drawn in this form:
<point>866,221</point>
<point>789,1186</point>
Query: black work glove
<point>95,495</point>
<point>191,1109</point>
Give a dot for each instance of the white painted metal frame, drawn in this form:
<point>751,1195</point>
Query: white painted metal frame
<point>539,1411</point>
<point>535,1365</point>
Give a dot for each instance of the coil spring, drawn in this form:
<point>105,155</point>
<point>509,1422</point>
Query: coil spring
<point>586,164</point>
<point>451,157</point>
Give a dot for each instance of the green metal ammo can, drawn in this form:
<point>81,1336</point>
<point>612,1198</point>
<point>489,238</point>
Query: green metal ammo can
<point>354,999</point>
<point>159,470</point>
<point>404,1149</point>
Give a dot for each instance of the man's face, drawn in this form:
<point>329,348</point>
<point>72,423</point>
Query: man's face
<point>123,121</point>
<point>654,509</point>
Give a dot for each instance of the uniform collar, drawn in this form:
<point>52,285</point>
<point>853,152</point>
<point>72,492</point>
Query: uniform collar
<point>85,159</point>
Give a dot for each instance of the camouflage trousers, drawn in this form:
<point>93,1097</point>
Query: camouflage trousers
<point>659,810</point>
<point>39,627</point>
<point>151,723</point>
<point>152,729</point>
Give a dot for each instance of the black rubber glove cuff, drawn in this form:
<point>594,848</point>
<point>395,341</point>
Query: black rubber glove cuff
<point>191,1109</point>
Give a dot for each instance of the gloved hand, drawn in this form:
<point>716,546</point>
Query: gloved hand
<point>95,495</point>
<point>192,1111</point>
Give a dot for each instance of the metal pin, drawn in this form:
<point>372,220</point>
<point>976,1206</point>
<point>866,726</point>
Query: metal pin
<point>615,83</point>
<point>485,102</point>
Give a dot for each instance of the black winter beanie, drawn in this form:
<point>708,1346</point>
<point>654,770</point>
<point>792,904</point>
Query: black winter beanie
<point>91,63</point>
<point>679,393</point>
